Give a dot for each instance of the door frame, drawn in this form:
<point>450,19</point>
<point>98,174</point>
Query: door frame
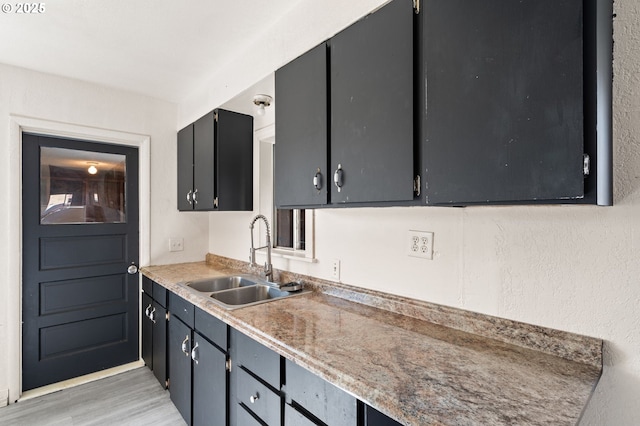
<point>17,125</point>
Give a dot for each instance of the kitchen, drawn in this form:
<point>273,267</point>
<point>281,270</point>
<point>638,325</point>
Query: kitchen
<point>570,268</point>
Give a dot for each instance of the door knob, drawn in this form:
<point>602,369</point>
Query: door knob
<point>132,269</point>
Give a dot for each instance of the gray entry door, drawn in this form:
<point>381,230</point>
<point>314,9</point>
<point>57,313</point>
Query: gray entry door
<point>80,235</point>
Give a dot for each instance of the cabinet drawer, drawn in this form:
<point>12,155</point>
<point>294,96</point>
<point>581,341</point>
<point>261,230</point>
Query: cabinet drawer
<point>258,398</point>
<point>293,417</point>
<point>328,403</point>
<point>181,308</point>
<point>211,328</point>
<point>260,360</point>
<point>160,294</point>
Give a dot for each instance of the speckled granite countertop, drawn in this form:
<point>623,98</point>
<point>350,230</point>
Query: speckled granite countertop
<point>417,362</point>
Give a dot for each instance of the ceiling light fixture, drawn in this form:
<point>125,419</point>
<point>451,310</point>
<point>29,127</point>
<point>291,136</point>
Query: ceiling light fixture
<point>92,168</point>
<point>262,101</point>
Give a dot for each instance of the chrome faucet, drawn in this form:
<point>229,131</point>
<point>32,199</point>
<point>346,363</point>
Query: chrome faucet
<point>268,267</point>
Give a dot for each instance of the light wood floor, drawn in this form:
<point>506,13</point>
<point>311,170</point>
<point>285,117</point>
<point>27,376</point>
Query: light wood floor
<point>131,398</point>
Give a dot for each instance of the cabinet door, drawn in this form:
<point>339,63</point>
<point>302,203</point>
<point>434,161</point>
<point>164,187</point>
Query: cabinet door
<point>234,161</point>
<point>179,352</point>
<point>209,383</point>
<point>301,131</point>
<point>503,118</point>
<point>204,161</point>
<point>185,168</point>
<point>159,323</point>
<point>147,331</point>
<point>372,107</point>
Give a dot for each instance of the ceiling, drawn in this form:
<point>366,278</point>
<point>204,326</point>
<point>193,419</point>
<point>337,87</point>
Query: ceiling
<point>160,48</point>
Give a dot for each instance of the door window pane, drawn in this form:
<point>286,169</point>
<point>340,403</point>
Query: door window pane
<point>81,186</point>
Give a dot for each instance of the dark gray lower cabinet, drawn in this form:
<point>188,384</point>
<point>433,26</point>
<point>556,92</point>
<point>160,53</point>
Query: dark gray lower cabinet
<point>147,331</point>
<point>198,367</point>
<point>179,345</point>
<point>255,382</point>
<point>262,388</point>
<point>311,399</point>
<point>209,383</point>
<point>154,329</point>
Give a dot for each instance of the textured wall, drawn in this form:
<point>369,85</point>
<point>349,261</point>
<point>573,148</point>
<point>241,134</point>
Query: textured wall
<point>574,268</point>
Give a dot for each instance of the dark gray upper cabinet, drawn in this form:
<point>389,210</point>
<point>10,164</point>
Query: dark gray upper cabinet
<point>371,104</point>
<point>506,111</point>
<point>215,163</point>
<point>301,129</point>
<point>349,101</point>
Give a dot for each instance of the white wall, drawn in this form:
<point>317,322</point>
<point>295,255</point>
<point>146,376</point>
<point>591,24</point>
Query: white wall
<point>574,268</point>
<point>72,104</point>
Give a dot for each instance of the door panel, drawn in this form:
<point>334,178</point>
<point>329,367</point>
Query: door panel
<point>70,252</point>
<point>84,293</point>
<point>80,233</point>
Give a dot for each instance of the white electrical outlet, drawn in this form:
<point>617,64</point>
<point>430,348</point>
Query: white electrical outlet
<point>335,269</point>
<point>420,244</point>
<point>176,244</point>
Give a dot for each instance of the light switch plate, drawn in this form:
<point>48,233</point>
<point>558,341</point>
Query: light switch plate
<point>335,269</point>
<point>176,244</point>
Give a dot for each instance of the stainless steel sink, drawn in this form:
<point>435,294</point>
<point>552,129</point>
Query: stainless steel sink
<point>249,295</point>
<point>208,285</point>
<point>238,291</point>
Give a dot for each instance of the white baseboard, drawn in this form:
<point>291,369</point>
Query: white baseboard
<point>4,397</point>
<point>44,390</point>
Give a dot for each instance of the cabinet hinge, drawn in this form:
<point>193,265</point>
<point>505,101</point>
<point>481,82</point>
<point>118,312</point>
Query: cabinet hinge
<point>215,116</point>
<point>168,316</point>
<point>586,164</point>
<point>227,365</point>
<point>416,6</point>
<point>416,185</point>
<point>215,203</point>
<point>167,383</point>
